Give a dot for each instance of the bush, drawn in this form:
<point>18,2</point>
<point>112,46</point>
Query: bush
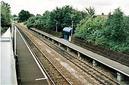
<point>90,29</point>
<point>112,33</point>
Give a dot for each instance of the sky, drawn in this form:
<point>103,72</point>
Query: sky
<point>40,6</point>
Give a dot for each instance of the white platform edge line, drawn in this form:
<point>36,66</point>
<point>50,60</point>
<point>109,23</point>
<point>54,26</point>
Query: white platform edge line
<point>15,36</point>
<point>38,79</point>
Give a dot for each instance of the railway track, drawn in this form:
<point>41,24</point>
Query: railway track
<point>54,75</point>
<point>99,76</point>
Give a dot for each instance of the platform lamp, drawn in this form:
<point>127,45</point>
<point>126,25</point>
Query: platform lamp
<point>56,25</point>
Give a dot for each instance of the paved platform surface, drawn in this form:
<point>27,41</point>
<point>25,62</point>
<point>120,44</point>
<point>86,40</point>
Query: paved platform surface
<point>7,61</point>
<point>110,63</point>
<point>30,72</point>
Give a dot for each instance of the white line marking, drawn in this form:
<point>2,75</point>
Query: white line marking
<point>33,55</point>
<point>40,79</point>
<point>15,40</point>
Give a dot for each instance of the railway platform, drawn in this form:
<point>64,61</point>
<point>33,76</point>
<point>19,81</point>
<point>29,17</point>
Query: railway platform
<point>30,71</point>
<point>7,61</point>
<point>119,68</point>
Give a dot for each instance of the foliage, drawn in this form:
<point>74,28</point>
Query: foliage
<point>31,22</point>
<point>117,31</point>
<point>112,33</point>
<point>90,29</point>
<point>5,14</point>
<point>59,17</point>
<point>40,22</point>
<point>15,17</point>
<point>24,16</point>
<point>114,27</point>
<point>90,11</point>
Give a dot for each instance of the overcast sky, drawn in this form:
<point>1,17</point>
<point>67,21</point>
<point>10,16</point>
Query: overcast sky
<point>40,6</point>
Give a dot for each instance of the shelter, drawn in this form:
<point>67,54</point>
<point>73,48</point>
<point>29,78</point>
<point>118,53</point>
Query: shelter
<point>67,33</point>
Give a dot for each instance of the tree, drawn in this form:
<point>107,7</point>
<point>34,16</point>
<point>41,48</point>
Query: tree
<point>115,27</point>
<point>58,19</point>
<point>5,14</point>
<point>15,17</point>
<point>38,15</point>
<point>90,11</point>
<point>24,15</point>
<point>126,26</point>
<point>90,29</point>
<point>102,14</point>
<point>66,17</point>
<point>112,33</point>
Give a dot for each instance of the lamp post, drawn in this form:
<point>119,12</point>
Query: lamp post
<point>56,25</point>
<point>72,16</point>
<point>72,23</point>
